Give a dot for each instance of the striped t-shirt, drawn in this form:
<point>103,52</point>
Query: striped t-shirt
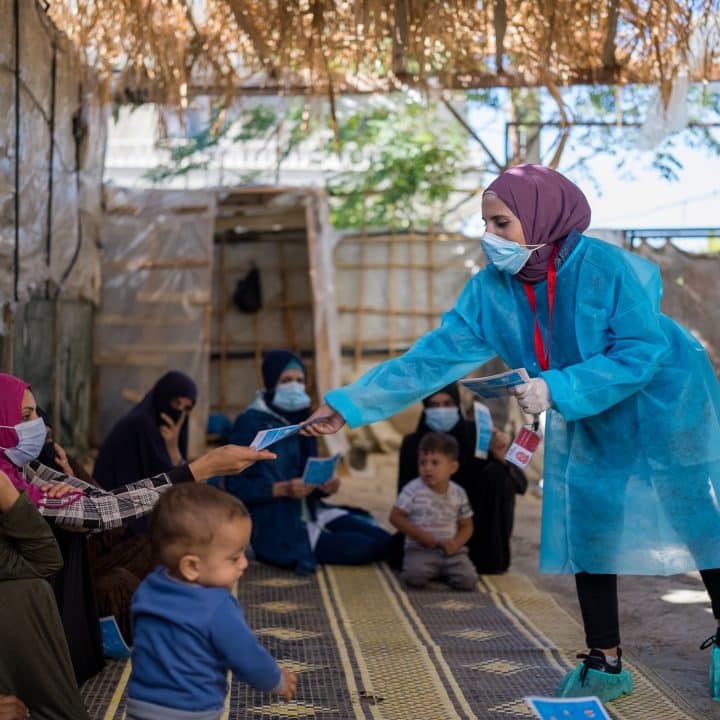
<point>433,512</point>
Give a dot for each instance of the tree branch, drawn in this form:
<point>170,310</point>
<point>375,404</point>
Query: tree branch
<point>498,166</point>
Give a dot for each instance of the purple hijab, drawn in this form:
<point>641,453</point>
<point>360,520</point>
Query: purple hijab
<point>548,206</point>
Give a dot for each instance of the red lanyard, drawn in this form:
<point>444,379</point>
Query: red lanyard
<point>541,353</point>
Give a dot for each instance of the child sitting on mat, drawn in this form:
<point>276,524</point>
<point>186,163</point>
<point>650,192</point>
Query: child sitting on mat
<point>435,516</point>
<point>188,627</point>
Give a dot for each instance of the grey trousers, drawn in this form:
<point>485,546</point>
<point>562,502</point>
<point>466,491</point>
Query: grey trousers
<point>421,565</point>
<point>140,710</point>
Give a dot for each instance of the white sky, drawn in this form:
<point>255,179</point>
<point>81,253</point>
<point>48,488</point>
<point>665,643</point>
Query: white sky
<point>647,201</point>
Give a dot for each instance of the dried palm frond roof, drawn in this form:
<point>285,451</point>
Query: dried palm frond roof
<point>165,49</point>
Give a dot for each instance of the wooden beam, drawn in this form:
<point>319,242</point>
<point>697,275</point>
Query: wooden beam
<point>471,80</point>
<point>500,21</point>
<point>400,37</point>
<point>608,53</point>
<point>294,219</point>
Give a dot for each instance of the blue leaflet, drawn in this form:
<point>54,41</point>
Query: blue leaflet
<point>114,646</point>
<point>587,708</point>
<point>318,471</point>
<point>496,385</point>
<point>483,429</point>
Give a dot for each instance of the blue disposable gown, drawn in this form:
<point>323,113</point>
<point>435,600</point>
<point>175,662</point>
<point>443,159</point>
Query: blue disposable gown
<point>632,446</point>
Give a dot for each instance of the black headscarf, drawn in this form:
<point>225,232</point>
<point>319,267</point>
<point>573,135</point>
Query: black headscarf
<point>135,449</point>
<point>274,365</point>
<point>451,390</point>
<point>47,454</point>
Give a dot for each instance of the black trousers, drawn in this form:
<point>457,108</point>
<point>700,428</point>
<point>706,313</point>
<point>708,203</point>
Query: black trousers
<point>599,605</point>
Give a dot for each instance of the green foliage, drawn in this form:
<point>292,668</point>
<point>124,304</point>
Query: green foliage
<point>199,151</point>
<point>194,153</point>
<point>256,122</point>
<point>403,157</point>
<point>407,159</point>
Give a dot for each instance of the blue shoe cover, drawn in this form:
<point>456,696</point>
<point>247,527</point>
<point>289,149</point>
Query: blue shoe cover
<point>715,672</point>
<point>602,685</point>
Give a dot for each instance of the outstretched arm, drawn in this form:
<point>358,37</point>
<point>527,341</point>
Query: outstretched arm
<point>73,503</point>
<point>442,356</point>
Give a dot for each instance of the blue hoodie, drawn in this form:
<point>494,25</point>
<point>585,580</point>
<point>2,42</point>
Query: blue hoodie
<point>186,638</point>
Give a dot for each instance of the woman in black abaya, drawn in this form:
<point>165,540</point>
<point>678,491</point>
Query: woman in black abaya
<point>491,484</point>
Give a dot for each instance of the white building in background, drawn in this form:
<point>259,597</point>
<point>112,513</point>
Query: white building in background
<point>133,151</point>
<point>136,137</point>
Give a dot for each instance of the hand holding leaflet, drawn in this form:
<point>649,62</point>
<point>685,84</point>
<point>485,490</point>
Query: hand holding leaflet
<point>499,385</point>
<point>318,471</point>
<point>266,438</point>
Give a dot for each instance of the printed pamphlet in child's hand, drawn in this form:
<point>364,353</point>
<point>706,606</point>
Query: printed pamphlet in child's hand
<point>498,385</point>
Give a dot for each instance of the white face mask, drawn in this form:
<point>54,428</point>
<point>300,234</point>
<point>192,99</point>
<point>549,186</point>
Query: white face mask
<point>506,255</point>
<point>291,396</point>
<point>442,419</point>
<point>31,438</point>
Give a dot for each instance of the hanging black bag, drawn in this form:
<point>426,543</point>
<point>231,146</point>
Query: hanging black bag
<point>248,293</point>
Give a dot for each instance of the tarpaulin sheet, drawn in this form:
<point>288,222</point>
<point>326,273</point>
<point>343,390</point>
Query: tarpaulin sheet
<point>156,300</point>
<point>53,95</point>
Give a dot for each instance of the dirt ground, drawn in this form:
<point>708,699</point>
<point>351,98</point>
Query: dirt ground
<point>663,620</point>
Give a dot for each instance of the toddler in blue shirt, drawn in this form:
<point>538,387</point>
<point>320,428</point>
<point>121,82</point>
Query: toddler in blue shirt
<point>188,627</point>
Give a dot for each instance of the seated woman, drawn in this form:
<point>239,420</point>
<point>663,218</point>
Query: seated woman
<point>152,438</point>
<point>73,586</point>
<point>38,670</point>
<point>31,631</point>
<point>292,526</point>
<point>491,484</point>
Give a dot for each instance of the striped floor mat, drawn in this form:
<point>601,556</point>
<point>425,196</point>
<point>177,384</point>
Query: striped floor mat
<point>367,649</point>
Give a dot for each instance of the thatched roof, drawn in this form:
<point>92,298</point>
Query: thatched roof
<point>163,49</point>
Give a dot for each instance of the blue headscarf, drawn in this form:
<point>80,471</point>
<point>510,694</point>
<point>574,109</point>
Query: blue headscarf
<point>275,363</point>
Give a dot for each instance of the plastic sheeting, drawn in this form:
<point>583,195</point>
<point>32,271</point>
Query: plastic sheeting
<point>51,342</point>
<point>670,114</point>
<point>56,241</point>
<point>691,292</point>
<point>156,300</point>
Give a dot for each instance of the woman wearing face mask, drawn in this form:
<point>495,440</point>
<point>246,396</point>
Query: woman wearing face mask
<point>292,526</point>
<point>632,446</point>
<point>34,660</point>
<point>491,484</point>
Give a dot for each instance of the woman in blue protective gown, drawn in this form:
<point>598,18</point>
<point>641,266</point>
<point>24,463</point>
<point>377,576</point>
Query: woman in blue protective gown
<point>632,446</point>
